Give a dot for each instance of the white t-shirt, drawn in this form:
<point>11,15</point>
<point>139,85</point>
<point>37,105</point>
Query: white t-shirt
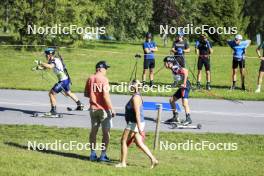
<point>58,69</point>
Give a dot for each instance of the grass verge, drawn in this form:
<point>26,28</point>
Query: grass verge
<point>16,159</point>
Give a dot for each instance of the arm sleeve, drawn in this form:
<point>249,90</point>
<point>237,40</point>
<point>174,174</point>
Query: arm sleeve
<point>186,45</point>
<point>196,44</point>
<point>144,45</point>
<point>229,42</point>
<point>245,43</point>
<point>209,44</point>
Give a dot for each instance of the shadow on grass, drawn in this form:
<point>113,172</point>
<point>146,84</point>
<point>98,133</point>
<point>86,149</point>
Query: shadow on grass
<point>58,153</point>
<point>30,112</point>
<point>146,118</point>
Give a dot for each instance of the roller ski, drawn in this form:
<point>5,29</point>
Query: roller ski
<point>176,123</point>
<point>47,115</point>
<point>80,107</point>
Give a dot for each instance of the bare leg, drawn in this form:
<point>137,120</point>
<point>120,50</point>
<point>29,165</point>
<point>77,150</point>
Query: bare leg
<point>185,104</point>
<point>151,74</point>
<point>124,147</point>
<point>144,75</point>
<point>106,137</point>
<point>234,78</point>
<point>92,137</point>
<point>52,96</point>
<point>145,149</point>
<point>242,73</point>
<point>172,103</point>
<point>199,75</point>
<point>72,96</point>
<point>208,76</point>
<point>260,76</point>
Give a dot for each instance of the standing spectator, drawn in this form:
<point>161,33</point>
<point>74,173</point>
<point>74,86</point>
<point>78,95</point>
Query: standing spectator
<point>261,68</point>
<point>149,47</point>
<point>179,48</point>
<point>239,50</point>
<point>101,109</point>
<point>203,49</point>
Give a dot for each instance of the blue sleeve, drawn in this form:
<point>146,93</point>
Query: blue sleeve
<point>245,43</point>
<point>144,45</point>
<point>154,45</point>
<point>209,44</point>
<point>196,44</point>
<point>230,43</point>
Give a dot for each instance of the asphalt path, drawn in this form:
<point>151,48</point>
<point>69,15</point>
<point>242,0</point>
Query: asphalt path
<point>217,116</point>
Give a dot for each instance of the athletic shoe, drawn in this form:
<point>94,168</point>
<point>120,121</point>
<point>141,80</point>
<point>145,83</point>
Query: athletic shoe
<point>188,120</point>
<point>93,157</point>
<point>208,87</point>
<point>104,159</point>
<point>232,87</point>
<point>151,83</point>
<point>175,119</point>
<point>53,112</point>
<point>120,165</point>
<point>243,87</point>
<point>80,107</point>
<point>257,90</point>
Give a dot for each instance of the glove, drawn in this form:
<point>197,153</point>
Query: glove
<point>183,86</point>
<point>38,62</point>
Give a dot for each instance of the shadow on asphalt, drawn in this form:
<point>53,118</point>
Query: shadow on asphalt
<point>30,112</point>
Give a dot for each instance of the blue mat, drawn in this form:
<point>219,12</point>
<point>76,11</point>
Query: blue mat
<point>148,105</point>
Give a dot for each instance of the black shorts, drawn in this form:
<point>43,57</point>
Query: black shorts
<point>261,68</point>
<point>236,63</point>
<point>149,63</point>
<point>180,60</point>
<point>204,62</point>
<point>182,93</point>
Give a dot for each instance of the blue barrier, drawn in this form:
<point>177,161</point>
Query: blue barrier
<point>148,105</point>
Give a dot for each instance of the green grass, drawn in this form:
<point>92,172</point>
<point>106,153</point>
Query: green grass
<point>16,159</point>
<point>15,70</point>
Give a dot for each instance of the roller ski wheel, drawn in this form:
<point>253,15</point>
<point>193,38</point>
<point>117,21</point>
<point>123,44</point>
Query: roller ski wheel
<point>47,115</point>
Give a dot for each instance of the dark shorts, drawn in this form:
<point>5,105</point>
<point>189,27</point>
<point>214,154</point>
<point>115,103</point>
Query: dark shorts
<point>182,93</point>
<point>62,85</point>
<point>237,63</point>
<point>204,62</point>
<point>149,63</point>
<point>261,68</point>
<point>180,60</point>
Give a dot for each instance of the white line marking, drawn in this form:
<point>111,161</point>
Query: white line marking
<point>234,114</point>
